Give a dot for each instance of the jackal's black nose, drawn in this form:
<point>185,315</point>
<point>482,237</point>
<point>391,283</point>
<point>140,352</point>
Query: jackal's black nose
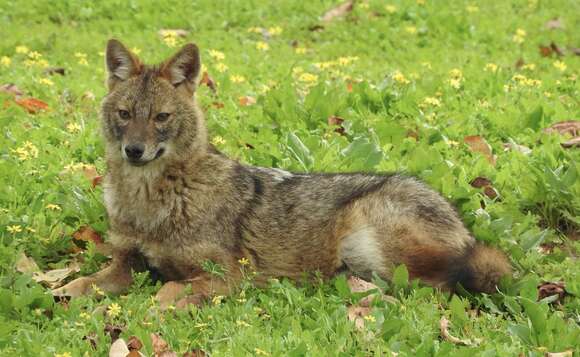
<point>135,151</point>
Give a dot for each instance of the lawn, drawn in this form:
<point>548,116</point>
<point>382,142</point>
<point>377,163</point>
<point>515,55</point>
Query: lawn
<point>458,93</point>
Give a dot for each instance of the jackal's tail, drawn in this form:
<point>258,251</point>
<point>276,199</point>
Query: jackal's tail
<point>481,269</point>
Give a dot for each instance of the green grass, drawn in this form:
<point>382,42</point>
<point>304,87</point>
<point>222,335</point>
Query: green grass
<point>392,61</point>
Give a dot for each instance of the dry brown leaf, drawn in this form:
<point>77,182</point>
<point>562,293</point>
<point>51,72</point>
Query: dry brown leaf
<point>569,127</point>
<point>114,331</point>
<point>92,339</point>
<point>549,289</point>
<point>195,353</point>
<point>246,100</point>
<point>478,144</point>
<point>32,105</point>
<point>26,265</point>
<point>337,121</point>
<point>547,51</point>
<point>555,23</point>
<point>357,314</point>
<point>516,147</point>
<point>568,353</point>
<point>54,277</point>
<point>338,11</point>
<point>358,285</point>
<point>209,82</point>
<point>486,184</point>
<point>119,349</point>
<point>11,89</point>
<point>218,105</point>
<point>171,32</point>
<point>134,343</point>
<point>574,50</point>
<point>444,331</point>
<point>160,347</point>
<point>88,234</point>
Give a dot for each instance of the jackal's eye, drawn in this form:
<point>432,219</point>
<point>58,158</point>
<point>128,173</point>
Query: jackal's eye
<point>123,114</point>
<point>161,117</point>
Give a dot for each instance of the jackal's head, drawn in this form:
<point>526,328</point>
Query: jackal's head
<point>150,113</point>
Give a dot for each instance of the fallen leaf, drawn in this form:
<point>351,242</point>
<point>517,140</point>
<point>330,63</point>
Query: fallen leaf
<point>486,184</point>
<point>55,70</point>
<point>358,285</point>
<point>574,50</point>
<point>547,51</point>
<point>519,63</point>
<point>134,343</point>
<point>32,105</point>
<point>568,353</point>
<point>444,331</point>
<point>160,347</point>
<point>170,32</point>
<point>119,349</point>
<point>88,234</point>
<point>195,353</point>
<point>569,127</point>
<point>11,89</point>
<point>209,82</point>
<point>550,289</point>
<point>553,24</point>
<point>338,11</point>
<point>357,314</point>
<point>246,100</point>
<point>54,277</point>
<point>336,121</point>
<point>516,147</point>
<point>26,265</point>
<point>96,181</point>
<point>218,105</point>
<point>114,332</point>
<point>92,339</point>
<point>478,144</point>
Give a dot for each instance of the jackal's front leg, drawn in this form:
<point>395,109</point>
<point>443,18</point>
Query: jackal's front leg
<point>114,279</point>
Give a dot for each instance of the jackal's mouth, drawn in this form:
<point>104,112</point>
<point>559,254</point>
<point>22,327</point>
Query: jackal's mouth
<point>141,162</point>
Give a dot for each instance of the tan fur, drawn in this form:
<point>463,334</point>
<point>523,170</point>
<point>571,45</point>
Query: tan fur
<point>183,204</point>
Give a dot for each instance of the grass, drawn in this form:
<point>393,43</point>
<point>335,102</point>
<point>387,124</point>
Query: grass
<point>411,79</point>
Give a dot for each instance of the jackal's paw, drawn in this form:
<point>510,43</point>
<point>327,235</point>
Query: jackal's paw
<point>169,293</point>
<point>78,287</point>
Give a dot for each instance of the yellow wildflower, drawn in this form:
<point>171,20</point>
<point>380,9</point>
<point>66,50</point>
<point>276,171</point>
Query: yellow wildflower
<point>300,50</point>
<point>243,261</point>
<point>490,67</point>
<point>14,229</point>
<point>432,101</point>
<point>262,46</point>
<point>218,140</point>
<point>519,36</point>
<point>308,77</point>
<point>26,151</point>
<point>170,38</point>
<point>221,67</point>
<point>53,207</point>
<point>324,65</point>
<point>46,82</point>
<point>114,310</point>
<point>82,58</point>
<point>529,67</point>
<point>22,49</point>
<point>136,50</point>
<point>274,31</point>
<point>242,323</point>
<point>455,83</point>
<point>391,9</point>
<point>34,55</point>
<point>560,65</point>
<point>547,94</point>
<point>216,300</point>
<point>255,29</point>
<point>400,78</point>
<point>31,230</point>
<point>217,55</point>
<point>98,290</point>
<point>297,70</point>
<point>85,316</point>
<point>420,2</point>
<point>411,29</point>
<point>370,318</point>
<point>64,354</point>
<point>237,78</point>
<point>73,127</point>
<point>5,61</point>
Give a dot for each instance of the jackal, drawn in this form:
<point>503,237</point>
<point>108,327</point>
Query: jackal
<point>173,199</point>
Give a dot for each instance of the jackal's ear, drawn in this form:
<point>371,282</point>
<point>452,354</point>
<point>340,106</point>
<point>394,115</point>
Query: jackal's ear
<point>121,63</point>
<point>183,67</point>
